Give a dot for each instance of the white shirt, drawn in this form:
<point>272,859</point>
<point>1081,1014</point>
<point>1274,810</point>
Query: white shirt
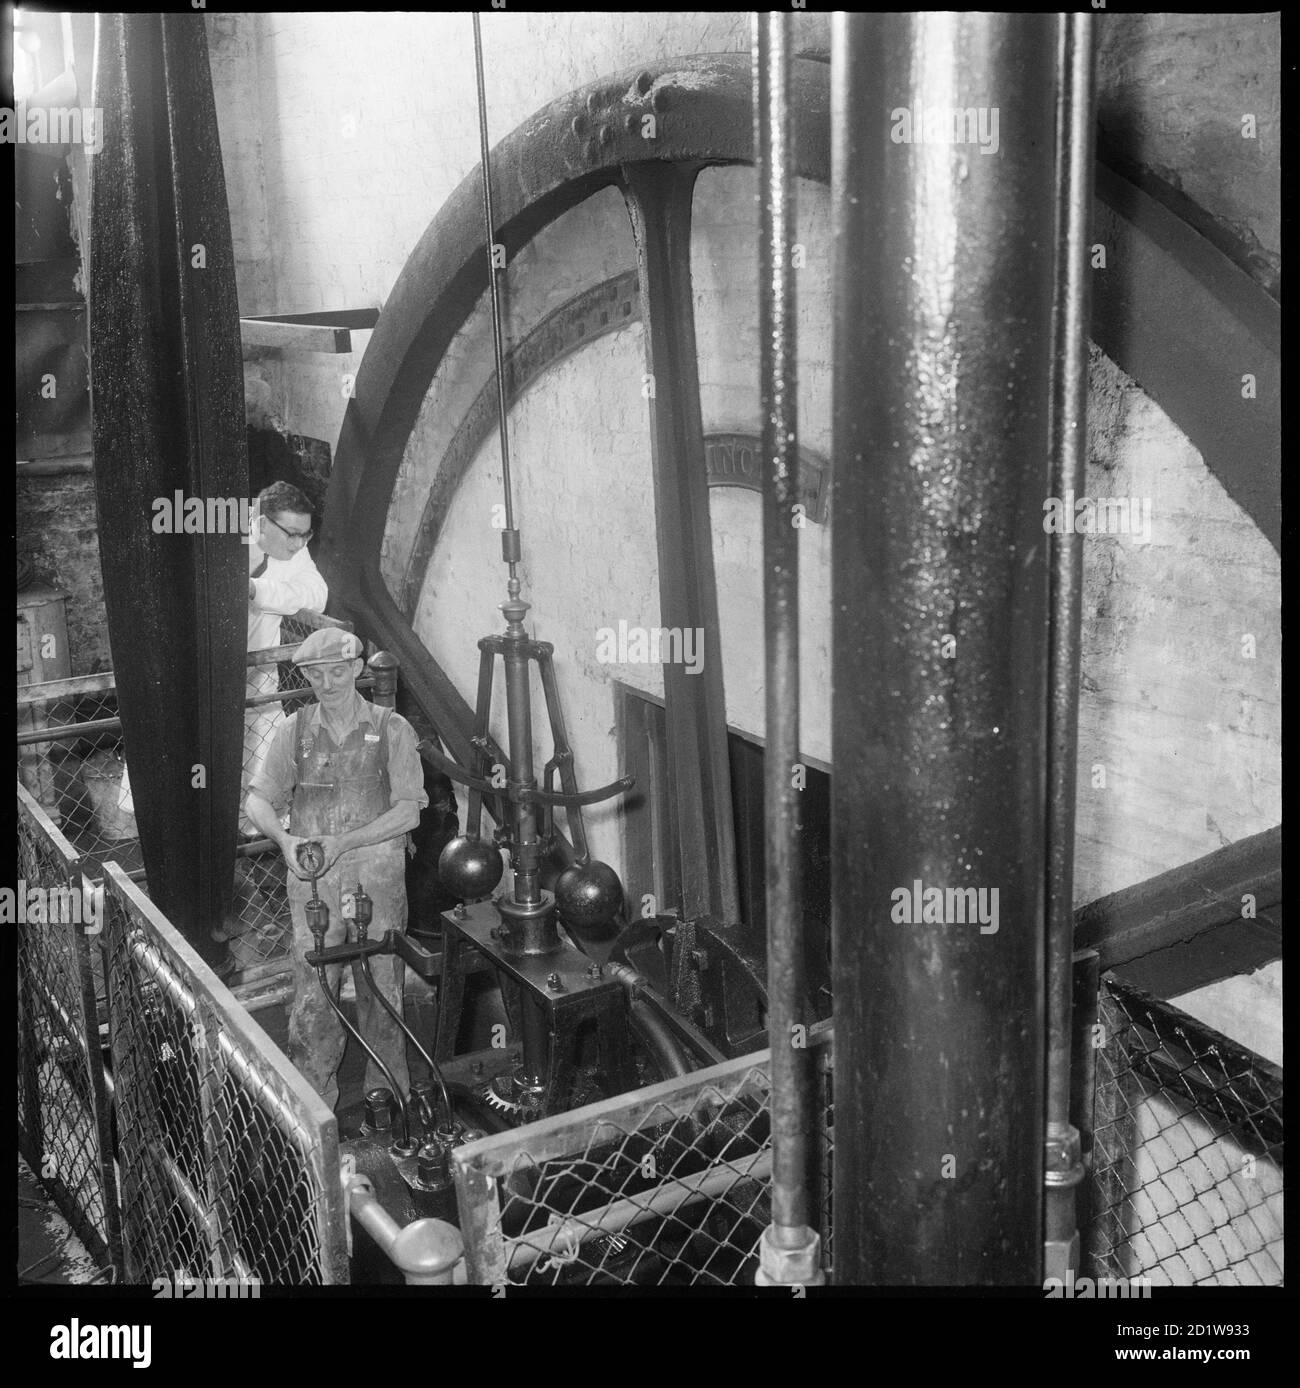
<point>286,586</point>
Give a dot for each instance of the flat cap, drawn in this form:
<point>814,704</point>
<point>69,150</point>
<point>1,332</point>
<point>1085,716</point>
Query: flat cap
<point>327,645</point>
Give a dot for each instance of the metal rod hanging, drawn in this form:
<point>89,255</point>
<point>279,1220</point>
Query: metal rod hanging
<point>790,1250</point>
<point>509,536</point>
<point>1074,143</point>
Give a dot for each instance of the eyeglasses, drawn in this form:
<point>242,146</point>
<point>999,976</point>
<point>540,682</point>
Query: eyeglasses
<point>303,535</point>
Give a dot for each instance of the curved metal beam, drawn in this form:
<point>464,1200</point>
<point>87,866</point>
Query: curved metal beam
<point>1173,312</point>
<point>1168,310</point>
<point>694,109</point>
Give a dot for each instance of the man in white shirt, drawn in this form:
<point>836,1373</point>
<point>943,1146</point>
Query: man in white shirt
<point>282,579</point>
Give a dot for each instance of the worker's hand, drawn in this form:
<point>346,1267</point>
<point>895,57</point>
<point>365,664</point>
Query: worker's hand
<point>252,591</point>
<point>289,848</point>
<point>333,845</point>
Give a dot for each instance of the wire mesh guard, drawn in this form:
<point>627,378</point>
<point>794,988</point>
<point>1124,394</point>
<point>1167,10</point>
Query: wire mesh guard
<point>78,777</point>
<point>667,1186</point>
<point>229,1159</point>
<point>62,1109</point>
<point>1187,1155</point>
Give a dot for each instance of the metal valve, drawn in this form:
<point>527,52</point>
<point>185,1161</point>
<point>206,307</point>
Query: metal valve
<point>364,910</point>
<point>311,858</point>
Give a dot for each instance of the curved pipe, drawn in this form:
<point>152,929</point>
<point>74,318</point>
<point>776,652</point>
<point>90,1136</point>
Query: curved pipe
<point>413,1039</point>
<point>361,1041</point>
<point>648,1027</point>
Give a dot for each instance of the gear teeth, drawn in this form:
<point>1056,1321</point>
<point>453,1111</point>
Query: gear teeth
<point>488,1093</point>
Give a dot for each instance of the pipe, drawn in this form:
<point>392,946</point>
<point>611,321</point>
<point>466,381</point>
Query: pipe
<point>355,1033</point>
<point>650,1030</point>
<point>412,1038</point>
<point>425,1251</point>
<point>790,1237</point>
<point>942,349</point>
<point>217,1232</point>
<point>1064,1168</point>
<point>74,464</point>
<point>562,1239</point>
<point>639,987</point>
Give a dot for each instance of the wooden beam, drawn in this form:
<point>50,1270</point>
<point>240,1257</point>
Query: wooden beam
<point>326,331</point>
<point>1169,912</point>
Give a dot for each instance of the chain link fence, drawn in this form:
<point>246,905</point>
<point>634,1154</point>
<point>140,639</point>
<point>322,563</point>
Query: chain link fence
<point>667,1186</point>
<point>78,774</point>
<point>1187,1151</point>
<point>229,1159</point>
<point>63,1119</point>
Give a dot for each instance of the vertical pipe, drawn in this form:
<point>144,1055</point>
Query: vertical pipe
<point>789,1240</point>
<point>943,204</point>
<point>1074,154</point>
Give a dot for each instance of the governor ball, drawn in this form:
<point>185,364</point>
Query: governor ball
<point>470,868</point>
<point>588,895</point>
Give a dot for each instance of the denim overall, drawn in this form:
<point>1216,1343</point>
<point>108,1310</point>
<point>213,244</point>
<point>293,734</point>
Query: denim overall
<point>341,787</point>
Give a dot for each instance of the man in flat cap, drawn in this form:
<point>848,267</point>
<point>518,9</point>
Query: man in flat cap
<point>351,778</point>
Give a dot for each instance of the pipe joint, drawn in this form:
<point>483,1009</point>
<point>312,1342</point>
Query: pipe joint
<point>1063,1167</point>
<point>799,1265</point>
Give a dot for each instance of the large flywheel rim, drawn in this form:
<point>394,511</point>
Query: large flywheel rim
<point>586,141</point>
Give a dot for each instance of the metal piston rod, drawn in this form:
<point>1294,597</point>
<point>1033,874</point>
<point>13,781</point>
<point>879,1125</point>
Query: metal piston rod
<point>1064,1168</point>
<point>945,275</point>
<point>790,1251</point>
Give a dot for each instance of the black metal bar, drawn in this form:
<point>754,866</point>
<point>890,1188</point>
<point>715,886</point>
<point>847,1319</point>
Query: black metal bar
<point>942,343</point>
<point>1074,159</point>
<point>1185,902</point>
<point>168,410</point>
<point>787,1018</point>
<point>68,732</point>
<point>658,197</point>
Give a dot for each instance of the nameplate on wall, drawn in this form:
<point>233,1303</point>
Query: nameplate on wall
<point>736,460</point>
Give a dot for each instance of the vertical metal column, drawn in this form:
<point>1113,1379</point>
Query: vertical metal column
<point>1064,1168</point>
<point>167,391</point>
<point>790,1252</point>
<point>943,194</point>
